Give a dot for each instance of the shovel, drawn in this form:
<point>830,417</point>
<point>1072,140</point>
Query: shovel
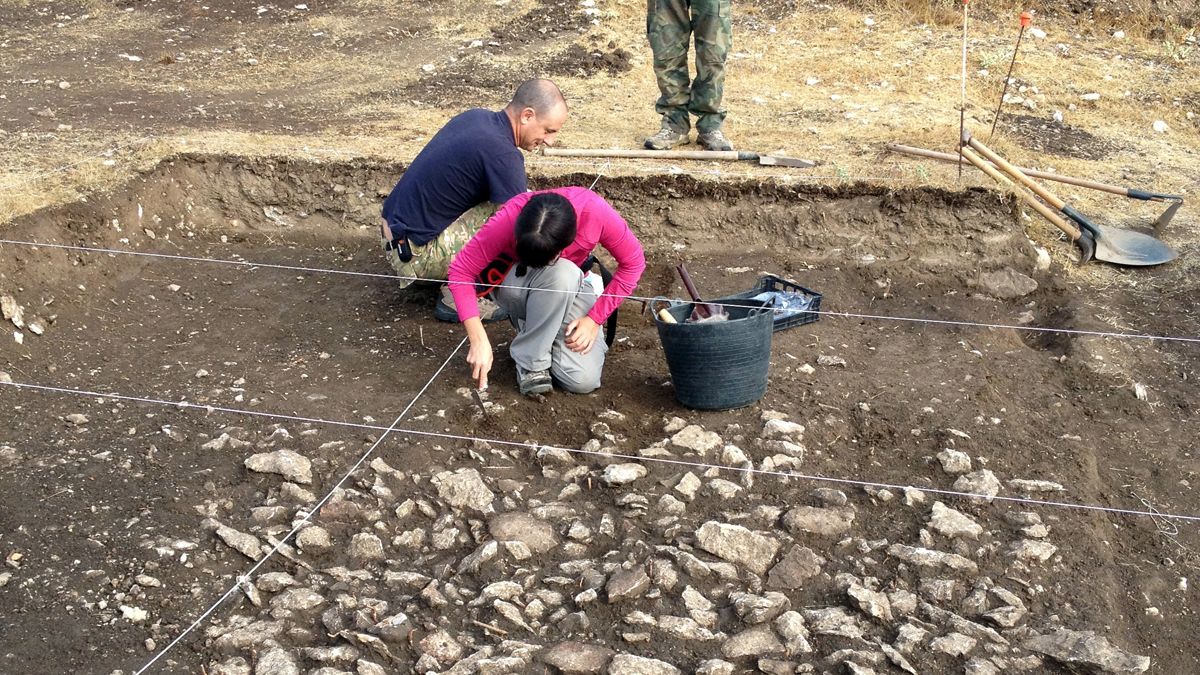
<point>718,155</point>
<point>1110,244</point>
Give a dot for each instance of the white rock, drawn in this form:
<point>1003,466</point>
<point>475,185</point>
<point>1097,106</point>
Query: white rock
<point>1037,33</point>
<point>464,489</point>
<point>982,482</point>
<point>287,463</point>
<point>951,523</point>
<point>622,474</point>
<point>628,664</point>
<point>133,614</point>
<point>695,439</point>
<point>1092,96</point>
<point>1160,126</point>
<point>783,429</point>
<point>738,545</point>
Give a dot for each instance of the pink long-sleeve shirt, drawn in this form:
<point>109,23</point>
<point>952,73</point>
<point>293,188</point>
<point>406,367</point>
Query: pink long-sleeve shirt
<point>596,223</point>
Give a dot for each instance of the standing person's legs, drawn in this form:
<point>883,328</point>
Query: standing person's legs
<point>540,305</point>
<point>669,29</point>
<point>712,26</point>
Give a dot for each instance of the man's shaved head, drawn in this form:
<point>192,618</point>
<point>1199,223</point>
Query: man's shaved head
<point>537,111</point>
<point>543,96</point>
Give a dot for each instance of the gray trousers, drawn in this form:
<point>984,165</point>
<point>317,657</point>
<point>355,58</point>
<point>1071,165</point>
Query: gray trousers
<point>540,305</point>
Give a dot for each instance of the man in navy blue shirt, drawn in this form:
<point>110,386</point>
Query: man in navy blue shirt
<point>467,170</point>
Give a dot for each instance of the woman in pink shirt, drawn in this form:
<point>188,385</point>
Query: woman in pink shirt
<point>542,238</point>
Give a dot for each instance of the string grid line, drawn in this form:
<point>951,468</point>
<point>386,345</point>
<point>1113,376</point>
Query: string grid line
<point>1151,512</point>
<point>376,275</point>
<point>308,515</point>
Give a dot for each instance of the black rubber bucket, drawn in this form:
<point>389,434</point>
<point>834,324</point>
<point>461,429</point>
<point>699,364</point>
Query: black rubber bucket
<point>717,365</point>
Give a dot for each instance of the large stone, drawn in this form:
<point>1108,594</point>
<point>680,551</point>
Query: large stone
<point>982,482</point>
<point>693,438</point>
<point>537,534</point>
<point>954,644</point>
<point>287,463</point>
<point>1006,284</point>
<point>366,547</point>
<point>783,429</point>
<point>464,489</point>
<point>1085,649</point>
<point>622,474</point>
<point>825,522</point>
<point>715,667</point>
<point>755,609</point>
<point>954,461</point>
<point>628,664</point>
<point>924,557</point>
<point>297,600</point>
<point>756,642</point>
<point>626,584</point>
<point>243,638</point>
<point>684,628</point>
<point>441,646</point>
<point>246,544</point>
<point>951,523</point>
<point>276,661</point>
<point>1028,550</point>
<point>577,658</point>
<point>797,565</point>
<point>738,545</point>
<point>872,603</point>
<point>314,539</point>
<point>790,626</point>
<point>837,621</point>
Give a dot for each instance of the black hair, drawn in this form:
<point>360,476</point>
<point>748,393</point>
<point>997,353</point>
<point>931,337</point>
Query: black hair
<point>539,94</point>
<point>545,226</point>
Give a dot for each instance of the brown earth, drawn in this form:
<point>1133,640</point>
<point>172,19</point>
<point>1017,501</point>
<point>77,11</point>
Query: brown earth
<point>89,503</point>
<point>86,506</point>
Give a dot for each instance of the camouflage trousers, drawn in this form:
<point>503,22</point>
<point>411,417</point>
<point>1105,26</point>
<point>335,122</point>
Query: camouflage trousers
<point>670,27</point>
<point>432,260</point>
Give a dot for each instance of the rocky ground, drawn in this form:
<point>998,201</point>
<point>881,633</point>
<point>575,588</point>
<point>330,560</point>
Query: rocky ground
<point>615,562</point>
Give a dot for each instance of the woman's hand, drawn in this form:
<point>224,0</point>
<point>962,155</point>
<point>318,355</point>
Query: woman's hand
<point>581,334</point>
<point>480,354</point>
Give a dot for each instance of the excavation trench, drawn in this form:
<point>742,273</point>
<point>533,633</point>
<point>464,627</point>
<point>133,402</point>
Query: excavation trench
<point>879,399</point>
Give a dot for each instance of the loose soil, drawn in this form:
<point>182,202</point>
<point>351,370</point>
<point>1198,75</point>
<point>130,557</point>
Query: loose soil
<point>91,505</point>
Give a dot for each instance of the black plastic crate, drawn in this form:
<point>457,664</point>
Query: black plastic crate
<point>770,282</point>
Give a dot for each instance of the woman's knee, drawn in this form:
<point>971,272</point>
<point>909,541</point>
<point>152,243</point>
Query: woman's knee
<point>561,274</point>
<point>578,381</point>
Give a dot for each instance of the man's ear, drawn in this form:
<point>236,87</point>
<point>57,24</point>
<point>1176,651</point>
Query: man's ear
<point>528,115</point>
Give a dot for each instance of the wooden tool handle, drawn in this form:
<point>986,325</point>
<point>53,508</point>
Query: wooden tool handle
<point>1017,174</point>
<point>650,154</point>
<point>1034,173</point>
<point>1069,229</point>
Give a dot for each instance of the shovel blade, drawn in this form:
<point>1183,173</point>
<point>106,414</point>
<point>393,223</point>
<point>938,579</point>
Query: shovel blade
<point>1126,247</point>
<point>768,160</point>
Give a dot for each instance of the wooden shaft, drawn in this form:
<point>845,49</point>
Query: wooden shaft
<point>1033,173</point>
<point>1057,220</point>
<point>1016,173</point>
<point>650,154</point>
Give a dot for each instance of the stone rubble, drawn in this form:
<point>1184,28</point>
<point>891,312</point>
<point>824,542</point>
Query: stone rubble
<point>629,568</point>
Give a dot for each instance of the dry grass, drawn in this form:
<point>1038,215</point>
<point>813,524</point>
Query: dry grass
<point>895,80</point>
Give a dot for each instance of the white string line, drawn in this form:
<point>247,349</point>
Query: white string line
<point>64,167</point>
<point>820,312</point>
<point>308,516</point>
<point>662,460</point>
